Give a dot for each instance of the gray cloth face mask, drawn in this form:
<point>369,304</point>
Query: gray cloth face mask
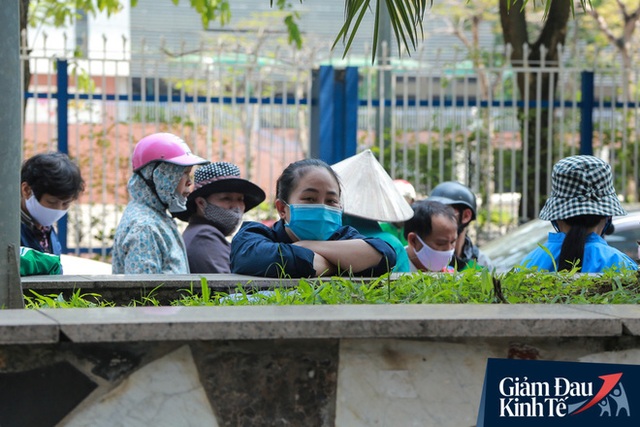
<point>225,220</point>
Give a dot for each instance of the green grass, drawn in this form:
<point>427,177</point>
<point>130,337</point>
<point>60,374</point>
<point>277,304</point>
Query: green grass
<point>467,287</point>
<point>77,300</point>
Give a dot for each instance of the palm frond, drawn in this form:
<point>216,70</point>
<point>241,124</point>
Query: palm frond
<point>405,16</point>
<point>354,9</point>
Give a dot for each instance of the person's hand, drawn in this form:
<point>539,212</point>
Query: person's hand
<point>322,266</point>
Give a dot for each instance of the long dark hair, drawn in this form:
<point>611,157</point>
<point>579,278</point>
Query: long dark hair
<point>296,170</point>
<point>572,252</point>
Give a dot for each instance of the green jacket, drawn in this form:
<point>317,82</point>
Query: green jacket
<point>34,262</point>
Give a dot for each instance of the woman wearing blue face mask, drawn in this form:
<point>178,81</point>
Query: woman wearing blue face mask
<point>309,239</point>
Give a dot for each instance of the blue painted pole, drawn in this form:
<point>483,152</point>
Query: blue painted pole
<point>586,113</point>
<point>322,114</point>
<point>350,133</point>
<point>336,152</point>
<point>63,133</point>
<point>334,123</point>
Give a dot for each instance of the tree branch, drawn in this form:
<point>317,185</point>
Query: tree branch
<point>514,26</point>
<point>554,31</point>
<point>458,31</point>
<point>630,25</point>
<point>623,9</point>
<point>604,27</point>
<point>636,14</point>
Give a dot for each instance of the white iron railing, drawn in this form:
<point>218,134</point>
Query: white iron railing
<point>230,103</point>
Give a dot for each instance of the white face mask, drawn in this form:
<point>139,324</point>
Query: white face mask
<point>43,215</point>
<point>433,260</point>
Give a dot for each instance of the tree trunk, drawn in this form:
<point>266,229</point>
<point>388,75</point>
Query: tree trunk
<point>536,157</point>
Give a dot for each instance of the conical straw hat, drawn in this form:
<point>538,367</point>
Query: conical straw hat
<point>369,192</point>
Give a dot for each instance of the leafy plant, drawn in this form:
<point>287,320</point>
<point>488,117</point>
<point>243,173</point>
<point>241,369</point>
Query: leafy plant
<point>518,286</point>
<point>76,300</point>
<point>191,297</point>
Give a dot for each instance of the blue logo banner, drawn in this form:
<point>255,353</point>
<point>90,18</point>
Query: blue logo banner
<point>569,394</point>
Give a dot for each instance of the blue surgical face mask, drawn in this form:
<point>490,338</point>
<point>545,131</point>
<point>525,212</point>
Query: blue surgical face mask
<point>314,222</point>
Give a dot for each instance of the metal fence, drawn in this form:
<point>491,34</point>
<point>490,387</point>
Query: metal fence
<point>427,122</point>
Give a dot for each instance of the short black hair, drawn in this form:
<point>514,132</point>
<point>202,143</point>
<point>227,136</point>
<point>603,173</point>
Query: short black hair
<point>52,173</point>
<point>423,211</point>
<point>296,170</point>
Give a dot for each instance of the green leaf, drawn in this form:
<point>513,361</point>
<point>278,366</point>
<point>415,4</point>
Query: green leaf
<point>292,28</point>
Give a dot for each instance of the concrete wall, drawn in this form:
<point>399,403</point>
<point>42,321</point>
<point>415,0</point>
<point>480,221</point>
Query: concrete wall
<point>358,365</point>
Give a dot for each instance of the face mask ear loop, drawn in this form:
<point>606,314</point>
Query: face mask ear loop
<point>420,240</point>
<point>555,226</point>
<point>289,206</point>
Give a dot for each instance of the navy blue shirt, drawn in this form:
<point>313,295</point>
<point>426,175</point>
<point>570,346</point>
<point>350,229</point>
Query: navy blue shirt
<point>30,237</point>
<point>258,250</point>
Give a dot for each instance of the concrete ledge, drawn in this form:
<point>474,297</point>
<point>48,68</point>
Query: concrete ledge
<point>629,314</point>
<point>325,365</point>
<point>94,325</point>
<point>27,327</point>
<point>146,280</point>
<point>301,322</point>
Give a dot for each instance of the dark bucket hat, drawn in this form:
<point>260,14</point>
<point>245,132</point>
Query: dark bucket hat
<point>581,185</point>
<point>223,177</point>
